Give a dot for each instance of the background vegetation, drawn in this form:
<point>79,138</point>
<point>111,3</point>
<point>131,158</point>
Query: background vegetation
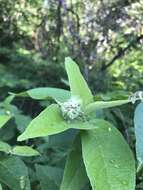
<point>105,37</point>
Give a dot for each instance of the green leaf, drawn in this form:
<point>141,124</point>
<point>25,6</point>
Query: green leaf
<point>21,121</point>
<point>6,103</point>
<point>18,150</point>
<point>4,147</point>
<point>13,173</point>
<point>49,177</point>
<point>50,122</point>
<point>43,93</point>
<point>138,122</point>
<point>4,119</point>
<point>24,151</point>
<point>7,132</point>
<point>77,83</point>
<point>108,159</point>
<point>62,140</point>
<point>74,174</point>
<point>1,187</point>
<point>102,105</point>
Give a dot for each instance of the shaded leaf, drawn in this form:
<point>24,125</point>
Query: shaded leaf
<point>7,132</point>
<point>22,121</point>
<point>13,173</point>
<point>77,83</point>
<point>49,177</point>
<point>108,159</point>
<point>74,174</point>
<point>4,147</point>
<point>62,140</point>
<point>4,119</point>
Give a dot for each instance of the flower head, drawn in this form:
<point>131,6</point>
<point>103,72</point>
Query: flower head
<point>71,109</point>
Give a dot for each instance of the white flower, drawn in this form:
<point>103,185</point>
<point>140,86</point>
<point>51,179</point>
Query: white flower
<point>71,109</point>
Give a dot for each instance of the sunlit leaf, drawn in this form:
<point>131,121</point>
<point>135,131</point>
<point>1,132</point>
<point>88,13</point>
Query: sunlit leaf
<point>77,83</point>
<point>46,123</point>
<point>108,159</point>
<point>43,93</point>
<point>50,122</point>
<point>24,151</point>
<point>103,104</point>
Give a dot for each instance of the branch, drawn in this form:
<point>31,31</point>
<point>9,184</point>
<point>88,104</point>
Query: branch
<point>121,52</point>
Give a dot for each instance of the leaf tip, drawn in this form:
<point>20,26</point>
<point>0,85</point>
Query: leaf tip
<point>21,138</point>
<point>68,61</point>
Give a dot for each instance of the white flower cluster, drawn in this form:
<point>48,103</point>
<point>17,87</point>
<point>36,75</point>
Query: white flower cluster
<point>136,96</point>
<point>72,108</point>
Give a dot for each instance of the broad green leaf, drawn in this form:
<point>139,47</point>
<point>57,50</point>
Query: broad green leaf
<point>138,122</point>
<point>45,93</point>
<point>21,121</point>
<point>24,151</point>
<point>62,140</point>
<point>13,173</point>
<point>77,83</point>
<point>103,104</point>
<point>4,147</point>
<point>108,159</point>
<point>74,174</point>
<point>4,119</point>
<point>49,177</point>
<point>50,122</point>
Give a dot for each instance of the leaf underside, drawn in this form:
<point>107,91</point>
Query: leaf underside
<point>138,122</point>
